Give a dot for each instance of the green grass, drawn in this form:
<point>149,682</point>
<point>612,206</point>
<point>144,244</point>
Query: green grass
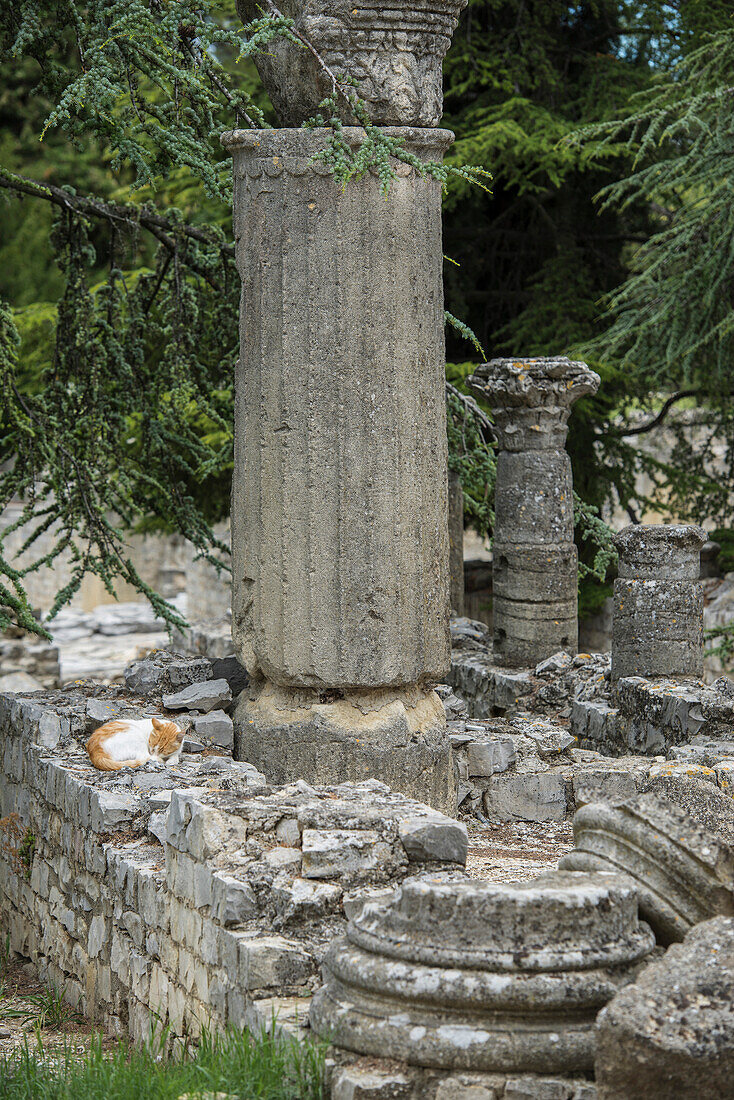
<point>269,1067</point>
<point>48,1009</point>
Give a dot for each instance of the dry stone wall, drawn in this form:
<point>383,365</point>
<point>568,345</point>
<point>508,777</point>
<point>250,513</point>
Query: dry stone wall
<point>193,895</point>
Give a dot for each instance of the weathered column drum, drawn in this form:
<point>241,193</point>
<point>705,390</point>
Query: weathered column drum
<point>657,628</point>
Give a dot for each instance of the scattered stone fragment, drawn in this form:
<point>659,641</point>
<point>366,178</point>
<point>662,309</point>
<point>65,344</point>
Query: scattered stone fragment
<point>434,838</point>
<point>216,727</point>
<point>162,671</point>
<point>206,696</point>
<point>671,1033</point>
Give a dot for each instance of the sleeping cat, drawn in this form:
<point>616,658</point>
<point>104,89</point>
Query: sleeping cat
<point>128,743</point>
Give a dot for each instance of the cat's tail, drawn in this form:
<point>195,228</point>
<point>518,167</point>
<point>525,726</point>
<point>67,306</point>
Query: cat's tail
<point>102,760</point>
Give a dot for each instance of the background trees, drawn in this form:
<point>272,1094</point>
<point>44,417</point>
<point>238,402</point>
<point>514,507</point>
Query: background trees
<point>117,400</point>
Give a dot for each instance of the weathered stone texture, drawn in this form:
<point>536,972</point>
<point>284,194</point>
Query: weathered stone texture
<point>534,556</point>
<point>339,510</point>
<point>196,891</point>
<point>658,602</point>
<point>671,1033</point>
<point>340,541</point>
<point>393,54</point>
<point>675,842</point>
<point>461,975</point>
<point>456,543</point>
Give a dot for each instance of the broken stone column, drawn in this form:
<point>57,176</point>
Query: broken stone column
<point>680,856</point>
<point>339,505</point>
<point>461,975</point>
<point>534,557</point>
<point>657,629</point>
<point>456,543</point>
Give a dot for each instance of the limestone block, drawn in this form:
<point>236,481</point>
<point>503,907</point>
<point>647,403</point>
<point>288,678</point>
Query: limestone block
<point>206,696</point>
<point>270,962</point>
<point>110,810</point>
<point>679,856</point>
<point>284,859</point>
<point>488,757</point>
<point>215,727</point>
<point>353,904</point>
<point>535,1088</point>
<point>454,1089</point>
<point>440,977</point>
<point>434,838</point>
<point>233,901</point>
<point>336,853</point>
<point>671,1033</point>
<point>539,796</point>
<point>297,900</point>
<point>355,1083</point>
<point>609,781</point>
<point>288,832</point>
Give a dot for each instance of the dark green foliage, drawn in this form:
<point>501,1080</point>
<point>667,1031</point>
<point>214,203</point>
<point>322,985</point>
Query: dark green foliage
<point>119,414</point>
<point>725,538</point>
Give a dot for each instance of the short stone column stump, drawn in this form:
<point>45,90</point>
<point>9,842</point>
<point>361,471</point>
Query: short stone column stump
<point>657,628</point>
<point>683,870</point>
<point>460,975</point>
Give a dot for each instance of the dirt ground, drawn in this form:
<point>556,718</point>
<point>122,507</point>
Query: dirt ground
<point>30,1012</point>
<point>516,850</point>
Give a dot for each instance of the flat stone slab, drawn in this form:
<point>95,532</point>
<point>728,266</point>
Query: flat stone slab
<point>206,696</point>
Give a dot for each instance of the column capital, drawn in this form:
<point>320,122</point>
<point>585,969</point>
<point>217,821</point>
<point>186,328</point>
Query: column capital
<point>531,398</point>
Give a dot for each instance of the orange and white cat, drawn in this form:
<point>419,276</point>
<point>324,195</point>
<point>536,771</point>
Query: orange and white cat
<point>128,743</point>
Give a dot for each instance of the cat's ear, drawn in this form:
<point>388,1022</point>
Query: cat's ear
<point>159,724</point>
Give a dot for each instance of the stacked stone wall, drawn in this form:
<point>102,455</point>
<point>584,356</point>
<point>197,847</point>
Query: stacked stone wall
<point>190,896</point>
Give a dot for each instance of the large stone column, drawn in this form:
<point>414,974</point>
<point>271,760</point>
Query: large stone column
<point>339,507</point>
<point>534,557</point>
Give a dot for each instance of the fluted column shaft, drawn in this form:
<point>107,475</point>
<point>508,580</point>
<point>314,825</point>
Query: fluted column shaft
<point>339,509</point>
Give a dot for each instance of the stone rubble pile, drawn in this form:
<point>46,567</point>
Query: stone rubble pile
<point>550,688</point>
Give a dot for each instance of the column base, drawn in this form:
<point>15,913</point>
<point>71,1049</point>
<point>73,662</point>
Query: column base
<point>396,735</point>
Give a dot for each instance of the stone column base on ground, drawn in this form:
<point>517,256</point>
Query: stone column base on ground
<point>398,736</point>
